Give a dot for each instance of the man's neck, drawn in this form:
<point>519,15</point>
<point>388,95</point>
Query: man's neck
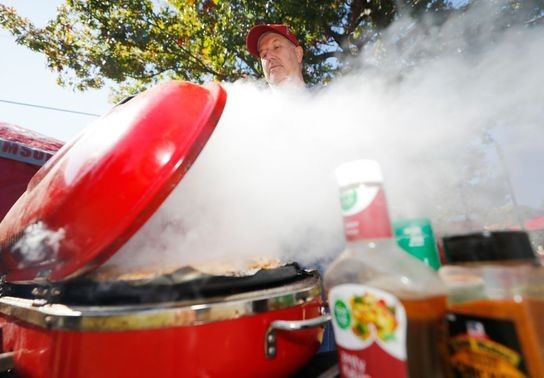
<point>292,84</point>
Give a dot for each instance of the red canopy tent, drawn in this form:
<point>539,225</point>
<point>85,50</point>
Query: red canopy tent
<point>22,153</point>
<point>534,224</point>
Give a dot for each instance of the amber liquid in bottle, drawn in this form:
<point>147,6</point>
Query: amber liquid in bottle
<point>425,339</point>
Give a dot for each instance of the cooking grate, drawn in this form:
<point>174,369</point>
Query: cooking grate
<point>182,284</point>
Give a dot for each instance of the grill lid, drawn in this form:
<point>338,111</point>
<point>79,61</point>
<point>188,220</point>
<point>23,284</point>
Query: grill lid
<point>100,188</point>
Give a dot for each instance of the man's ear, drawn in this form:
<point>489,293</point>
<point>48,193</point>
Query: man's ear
<point>299,53</point>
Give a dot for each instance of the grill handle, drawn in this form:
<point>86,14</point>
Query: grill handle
<point>6,361</point>
<point>270,347</point>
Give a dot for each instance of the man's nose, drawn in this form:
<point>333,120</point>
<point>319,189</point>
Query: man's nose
<point>269,58</point>
<point>269,55</point>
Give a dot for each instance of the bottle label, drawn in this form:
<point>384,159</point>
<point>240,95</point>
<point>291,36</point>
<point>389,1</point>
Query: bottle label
<point>370,331</point>
<point>484,347</point>
<point>416,237</point>
<point>365,213</point>
<point>355,200</point>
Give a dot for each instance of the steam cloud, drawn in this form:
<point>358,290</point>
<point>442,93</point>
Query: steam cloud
<point>436,108</point>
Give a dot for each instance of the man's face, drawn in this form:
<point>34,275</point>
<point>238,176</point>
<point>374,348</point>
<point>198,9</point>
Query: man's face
<point>280,59</point>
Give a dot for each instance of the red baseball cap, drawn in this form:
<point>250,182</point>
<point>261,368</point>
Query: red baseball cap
<point>256,32</point>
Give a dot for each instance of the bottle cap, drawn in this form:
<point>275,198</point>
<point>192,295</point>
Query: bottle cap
<point>488,246</point>
<point>359,171</point>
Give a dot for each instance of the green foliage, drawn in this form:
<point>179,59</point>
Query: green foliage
<point>136,43</point>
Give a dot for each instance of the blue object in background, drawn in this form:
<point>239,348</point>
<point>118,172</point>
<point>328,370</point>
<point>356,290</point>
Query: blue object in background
<point>328,344</point>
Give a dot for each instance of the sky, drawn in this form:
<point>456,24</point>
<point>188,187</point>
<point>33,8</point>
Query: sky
<point>25,78</point>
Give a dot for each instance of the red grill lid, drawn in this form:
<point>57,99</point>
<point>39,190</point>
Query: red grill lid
<point>100,188</point>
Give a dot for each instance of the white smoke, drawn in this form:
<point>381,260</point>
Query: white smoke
<point>421,105</point>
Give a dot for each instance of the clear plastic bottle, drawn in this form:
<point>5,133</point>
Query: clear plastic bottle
<point>388,307</point>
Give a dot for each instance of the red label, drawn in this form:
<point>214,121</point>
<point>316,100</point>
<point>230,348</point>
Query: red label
<point>372,362</point>
<point>371,222</point>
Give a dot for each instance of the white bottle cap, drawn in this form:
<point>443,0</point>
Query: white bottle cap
<point>359,171</point>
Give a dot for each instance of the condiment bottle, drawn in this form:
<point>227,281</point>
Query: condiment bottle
<point>416,236</point>
<point>388,307</point>
<point>496,305</point>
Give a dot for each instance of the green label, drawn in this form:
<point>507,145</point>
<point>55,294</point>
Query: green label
<point>416,237</point>
<point>348,199</point>
<point>341,314</point>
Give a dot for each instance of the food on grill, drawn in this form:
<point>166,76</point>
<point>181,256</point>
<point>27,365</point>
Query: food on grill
<point>237,268</point>
<point>218,268</point>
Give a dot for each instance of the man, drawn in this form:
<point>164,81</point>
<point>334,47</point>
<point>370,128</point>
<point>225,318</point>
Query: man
<point>281,59</point>
<point>279,52</point>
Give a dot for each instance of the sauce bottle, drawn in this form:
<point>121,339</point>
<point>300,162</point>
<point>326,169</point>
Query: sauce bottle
<point>387,306</point>
<point>496,305</point>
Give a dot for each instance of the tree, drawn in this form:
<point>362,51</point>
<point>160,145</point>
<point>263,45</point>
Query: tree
<point>137,43</point>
